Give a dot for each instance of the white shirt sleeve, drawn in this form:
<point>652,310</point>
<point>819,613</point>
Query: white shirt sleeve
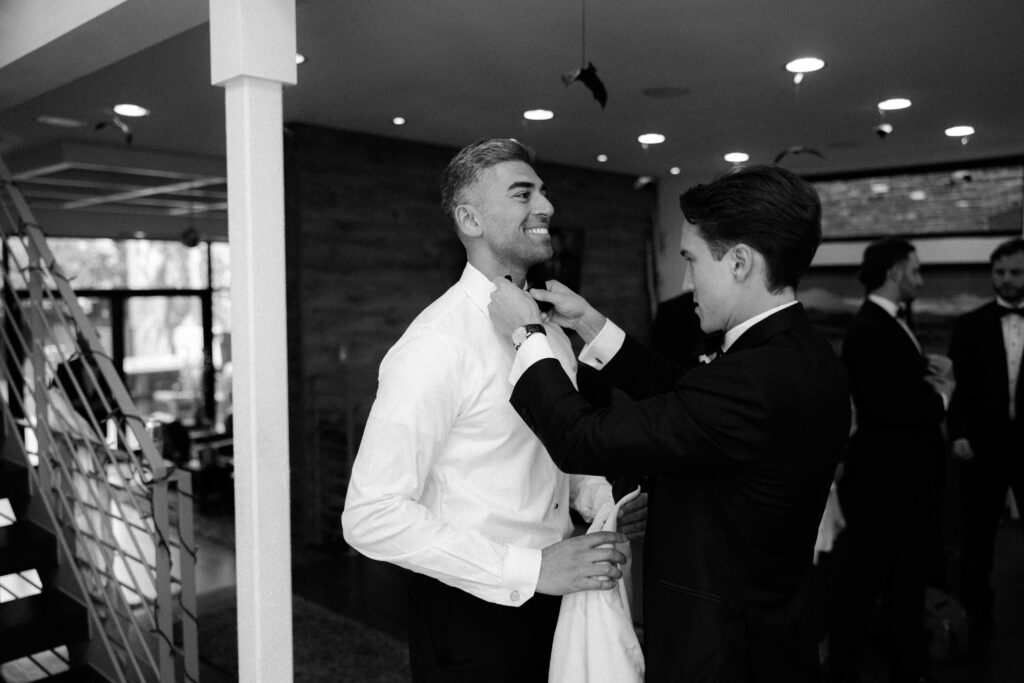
<point>595,354</point>
<point>419,397</point>
<point>604,346</point>
<point>588,494</point>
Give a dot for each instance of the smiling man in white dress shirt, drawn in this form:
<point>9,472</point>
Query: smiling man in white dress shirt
<point>449,482</point>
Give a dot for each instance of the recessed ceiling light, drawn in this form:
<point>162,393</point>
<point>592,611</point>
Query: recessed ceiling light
<point>805,65</point>
<point>538,114</point>
<point>602,158</point>
<point>918,195</point>
<point>651,139</point>
<point>130,110</point>
<point>674,170</point>
<point>398,121</point>
<point>300,58</point>
<point>960,131</point>
<point>737,157</point>
<point>894,104</point>
<point>60,121</point>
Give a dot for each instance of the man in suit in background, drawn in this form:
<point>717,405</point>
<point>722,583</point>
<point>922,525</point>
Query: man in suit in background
<point>741,450</point>
<point>986,421</point>
<point>891,474</point>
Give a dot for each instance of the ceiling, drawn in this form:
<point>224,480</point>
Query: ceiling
<point>708,74</point>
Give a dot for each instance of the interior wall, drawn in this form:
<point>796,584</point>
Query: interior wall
<point>965,211</point>
<point>368,248</point>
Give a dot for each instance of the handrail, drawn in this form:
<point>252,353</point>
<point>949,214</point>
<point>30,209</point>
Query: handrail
<point>107,492</point>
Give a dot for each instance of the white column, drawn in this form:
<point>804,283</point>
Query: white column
<point>252,55</point>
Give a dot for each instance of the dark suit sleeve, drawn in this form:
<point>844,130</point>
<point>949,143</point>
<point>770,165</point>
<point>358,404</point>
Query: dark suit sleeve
<point>886,380</point>
<point>639,372</point>
<point>703,425</point>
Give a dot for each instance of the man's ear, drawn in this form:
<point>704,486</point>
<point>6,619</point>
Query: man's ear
<point>742,261</point>
<point>468,220</point>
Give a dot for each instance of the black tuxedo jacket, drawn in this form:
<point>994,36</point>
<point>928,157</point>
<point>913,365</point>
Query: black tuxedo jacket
<point>980,410</point>
<point>742,451</point>
<point>894,460</point>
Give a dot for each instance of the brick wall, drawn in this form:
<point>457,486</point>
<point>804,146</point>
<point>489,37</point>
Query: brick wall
<point>368,248</point>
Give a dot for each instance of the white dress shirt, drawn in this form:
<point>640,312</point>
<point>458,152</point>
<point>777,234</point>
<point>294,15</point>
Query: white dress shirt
<point>449,481</point>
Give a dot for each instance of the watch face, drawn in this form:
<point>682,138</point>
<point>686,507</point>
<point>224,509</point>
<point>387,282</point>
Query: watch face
<point>518,335</point>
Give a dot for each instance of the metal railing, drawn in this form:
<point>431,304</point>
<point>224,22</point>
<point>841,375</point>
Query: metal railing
<point>122,515</point>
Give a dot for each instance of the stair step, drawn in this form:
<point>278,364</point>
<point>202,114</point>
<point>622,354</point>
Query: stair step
<point>24,545</point>
<point>40,622</point>
<point>14,484</point>
<point>79,674</point>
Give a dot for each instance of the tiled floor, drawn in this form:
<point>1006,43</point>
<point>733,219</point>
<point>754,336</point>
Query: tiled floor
<point>374,594</point>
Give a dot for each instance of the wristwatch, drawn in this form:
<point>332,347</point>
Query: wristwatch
<point>520,334</point>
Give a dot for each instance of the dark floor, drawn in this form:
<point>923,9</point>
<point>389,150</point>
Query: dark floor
<point>374,594</point>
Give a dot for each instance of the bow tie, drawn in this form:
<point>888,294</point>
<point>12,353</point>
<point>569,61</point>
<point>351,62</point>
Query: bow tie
<point>901,313</point>
<point>1006,310</point>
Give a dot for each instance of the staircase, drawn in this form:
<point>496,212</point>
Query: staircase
<point>35,621</point>
<point>97,557</point>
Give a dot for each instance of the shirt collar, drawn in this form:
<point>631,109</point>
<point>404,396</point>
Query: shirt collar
<point>1006,304</point>
<point>890,307</point>
<point>477,287</point>
<point>735,333</point>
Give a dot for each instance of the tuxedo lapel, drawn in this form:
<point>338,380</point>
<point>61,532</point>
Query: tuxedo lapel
<point>902,341</point>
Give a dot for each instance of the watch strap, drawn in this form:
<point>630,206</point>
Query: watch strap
<point>521,334</point>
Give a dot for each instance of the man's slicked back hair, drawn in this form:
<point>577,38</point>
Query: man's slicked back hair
<point>879,257</point>
<point>769,208</point>
<point>1006,249</point>
<point>465,167</point>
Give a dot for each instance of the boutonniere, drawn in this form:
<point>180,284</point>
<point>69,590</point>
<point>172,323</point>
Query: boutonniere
<point>706,358</point>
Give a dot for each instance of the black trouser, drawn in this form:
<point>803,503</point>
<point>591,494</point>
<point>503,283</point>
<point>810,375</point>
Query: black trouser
<point>985,480</point>
<point>883,551</point>
<point>455,637</point>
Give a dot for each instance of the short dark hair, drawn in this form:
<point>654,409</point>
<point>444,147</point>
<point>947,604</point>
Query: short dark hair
<point>773,210</point>
<point>1006,248</point>
<point>466,166</point>
<point>879,257</point>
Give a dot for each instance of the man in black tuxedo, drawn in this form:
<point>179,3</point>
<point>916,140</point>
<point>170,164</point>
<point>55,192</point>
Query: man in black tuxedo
<point>891,474</point>
<point>741,450</point>
<point>986,421</point>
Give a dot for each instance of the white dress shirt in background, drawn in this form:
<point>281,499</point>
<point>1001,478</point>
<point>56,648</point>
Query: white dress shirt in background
<point>449,481</point>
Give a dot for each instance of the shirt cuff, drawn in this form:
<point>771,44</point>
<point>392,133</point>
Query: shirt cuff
<point>535,348</point>
<point>604,346</point>
<point>522,571</point>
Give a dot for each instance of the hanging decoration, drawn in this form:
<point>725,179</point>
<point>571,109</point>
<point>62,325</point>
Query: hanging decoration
<point>797,149</point>
<point>116,122</point>
<point>587,75</point>
<point>800,67</point>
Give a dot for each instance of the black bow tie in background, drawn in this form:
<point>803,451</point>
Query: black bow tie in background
<point>1006,310</point>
